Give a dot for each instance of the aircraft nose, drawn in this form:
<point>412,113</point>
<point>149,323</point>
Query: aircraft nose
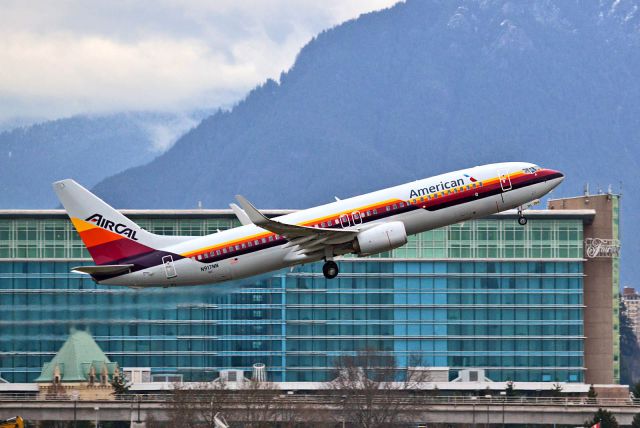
<point>556,174</point>
<point>554,178</point>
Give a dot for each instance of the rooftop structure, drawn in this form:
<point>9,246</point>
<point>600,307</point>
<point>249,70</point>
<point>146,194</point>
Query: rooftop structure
<point>79,360</point>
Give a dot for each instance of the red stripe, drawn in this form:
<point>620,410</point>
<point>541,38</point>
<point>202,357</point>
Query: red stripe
<point>109,252</point>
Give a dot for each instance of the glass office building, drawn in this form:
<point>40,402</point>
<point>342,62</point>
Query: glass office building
<point>483,294</point>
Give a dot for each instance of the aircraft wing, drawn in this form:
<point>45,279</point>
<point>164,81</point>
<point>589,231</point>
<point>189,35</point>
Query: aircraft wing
<point>308,239</point>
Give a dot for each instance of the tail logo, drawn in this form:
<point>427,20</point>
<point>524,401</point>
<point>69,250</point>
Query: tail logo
<point>119,228</point>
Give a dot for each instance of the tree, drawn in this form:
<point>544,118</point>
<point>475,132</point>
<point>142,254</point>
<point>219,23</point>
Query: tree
<point>557,390</point>
<point>606,419</point>
<point>635,390</point>
<point>195,406</point>
<point>509,389</point>
<point>635,423</point>
<point>119,384</point>
<point>257,405</point>
<point>592,395</point>
<point>371,390</point>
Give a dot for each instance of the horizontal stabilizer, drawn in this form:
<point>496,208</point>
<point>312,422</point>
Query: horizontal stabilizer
<point>103,270</point>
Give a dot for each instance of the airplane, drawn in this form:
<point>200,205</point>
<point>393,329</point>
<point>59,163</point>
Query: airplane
<point>125,254</point>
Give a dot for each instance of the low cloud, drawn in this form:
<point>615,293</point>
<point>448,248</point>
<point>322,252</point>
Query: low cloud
<point>59,59</point>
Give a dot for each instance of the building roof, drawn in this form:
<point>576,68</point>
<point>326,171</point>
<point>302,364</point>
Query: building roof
<point>75,360</point>
<point>584,215</point>
<point>161,213</point>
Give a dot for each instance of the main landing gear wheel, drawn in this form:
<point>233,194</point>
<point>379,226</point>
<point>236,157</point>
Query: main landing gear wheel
<point>522,220</point>
<point>330,269</point>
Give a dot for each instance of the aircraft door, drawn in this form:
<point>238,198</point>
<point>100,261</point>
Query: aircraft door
<point>505,180</point>
<point>356,218</point>
<point>169,267</point>
<point>344,220</point>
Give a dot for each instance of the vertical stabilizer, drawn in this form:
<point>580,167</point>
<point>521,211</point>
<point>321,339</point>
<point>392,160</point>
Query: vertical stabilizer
<point>109,236</point>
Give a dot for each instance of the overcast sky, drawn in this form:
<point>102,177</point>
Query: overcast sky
<point>59,58</point>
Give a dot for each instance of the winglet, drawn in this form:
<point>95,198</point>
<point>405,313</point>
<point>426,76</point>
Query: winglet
<point>242,216</point>
<point>254,215</point>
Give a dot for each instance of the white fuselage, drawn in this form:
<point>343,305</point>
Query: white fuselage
<point>420,205</point>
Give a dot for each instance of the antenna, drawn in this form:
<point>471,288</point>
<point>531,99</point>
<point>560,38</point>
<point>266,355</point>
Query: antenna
<point>586,189</point>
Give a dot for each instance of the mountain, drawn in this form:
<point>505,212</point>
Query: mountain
<point>422,88</point>
<point>87,148</point>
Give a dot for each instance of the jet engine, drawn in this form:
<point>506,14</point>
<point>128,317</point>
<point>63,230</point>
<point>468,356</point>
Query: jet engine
<point>383,237</point>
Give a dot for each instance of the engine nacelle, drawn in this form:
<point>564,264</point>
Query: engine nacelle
<point>384,237</point>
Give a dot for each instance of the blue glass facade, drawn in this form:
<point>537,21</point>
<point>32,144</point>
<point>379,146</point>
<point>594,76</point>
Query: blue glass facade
<point>485,294</point>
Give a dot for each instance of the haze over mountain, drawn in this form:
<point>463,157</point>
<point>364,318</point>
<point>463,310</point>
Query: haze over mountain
<point>419,89</point>
<point>88,148</point>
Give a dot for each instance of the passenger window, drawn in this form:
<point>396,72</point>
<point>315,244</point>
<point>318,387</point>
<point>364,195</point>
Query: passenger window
<point>422,199</point>
<point>395,206</point>
<point>388,208</point>
<point>401,204</point>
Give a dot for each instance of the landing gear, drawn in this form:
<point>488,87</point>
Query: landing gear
<point>330,269</point>
<point>522,220</point>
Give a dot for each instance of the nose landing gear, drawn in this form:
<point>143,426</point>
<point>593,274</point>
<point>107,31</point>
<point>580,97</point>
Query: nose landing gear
<point>330,269</point>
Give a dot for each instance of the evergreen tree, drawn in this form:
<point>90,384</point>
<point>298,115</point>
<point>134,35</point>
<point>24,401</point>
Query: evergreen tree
<point>509,390</point>
<point>606,419</point>
<point>119,384</point>
<point>592,395</point>
<point>635,390</point>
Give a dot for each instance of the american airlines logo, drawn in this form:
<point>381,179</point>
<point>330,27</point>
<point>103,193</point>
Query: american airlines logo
<point>119,228</point>
<point>443,185</point>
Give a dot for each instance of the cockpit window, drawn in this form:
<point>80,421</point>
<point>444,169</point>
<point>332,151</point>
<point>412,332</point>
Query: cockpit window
<point>531,170</point>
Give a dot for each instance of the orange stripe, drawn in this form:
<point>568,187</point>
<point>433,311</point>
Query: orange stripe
<point>98,236</point>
